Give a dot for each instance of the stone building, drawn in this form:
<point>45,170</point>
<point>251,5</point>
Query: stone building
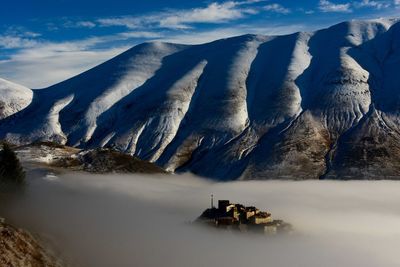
<point>242,218</point>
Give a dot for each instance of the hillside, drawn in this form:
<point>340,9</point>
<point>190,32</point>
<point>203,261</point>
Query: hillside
<point>323,104</point>
<point>19,249</point>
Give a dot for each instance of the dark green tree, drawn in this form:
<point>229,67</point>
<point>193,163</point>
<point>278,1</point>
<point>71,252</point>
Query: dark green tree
<point>11,171</point>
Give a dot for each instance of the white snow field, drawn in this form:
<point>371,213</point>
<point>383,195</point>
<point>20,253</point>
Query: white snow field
<point>13,98</point>
<point>301,106</point>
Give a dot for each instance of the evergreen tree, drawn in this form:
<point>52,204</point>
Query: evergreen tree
<point>11,171</point>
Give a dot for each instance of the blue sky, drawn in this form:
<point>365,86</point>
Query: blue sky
<point>46,41</point>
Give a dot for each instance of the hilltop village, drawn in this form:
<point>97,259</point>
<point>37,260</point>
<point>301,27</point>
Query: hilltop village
<point>243,219</point>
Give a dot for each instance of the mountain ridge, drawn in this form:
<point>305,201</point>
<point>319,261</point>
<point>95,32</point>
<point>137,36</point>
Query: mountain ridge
<point>248,107</point>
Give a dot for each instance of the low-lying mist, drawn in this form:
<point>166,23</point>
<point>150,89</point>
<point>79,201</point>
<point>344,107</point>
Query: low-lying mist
<point>138,220</point>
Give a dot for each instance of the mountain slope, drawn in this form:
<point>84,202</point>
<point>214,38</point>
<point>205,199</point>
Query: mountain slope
<point>254,107</point>
<point>13,98</point>
<point>18,248</point>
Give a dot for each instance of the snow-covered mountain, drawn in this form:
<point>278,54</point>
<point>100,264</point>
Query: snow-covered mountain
<point>306,105</point>
<point>13,98</point>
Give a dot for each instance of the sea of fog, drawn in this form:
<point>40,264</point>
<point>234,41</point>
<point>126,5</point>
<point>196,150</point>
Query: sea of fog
<point>138,220</point>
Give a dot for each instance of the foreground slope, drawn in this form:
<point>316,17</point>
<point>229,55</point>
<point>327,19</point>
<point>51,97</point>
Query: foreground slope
<point>19,249</point>
<point>301,106</point>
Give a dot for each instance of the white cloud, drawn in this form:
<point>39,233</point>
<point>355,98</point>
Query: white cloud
<point>129,22</point>
<point>46,63</point>
<point>39,71</point>
<point>79,24</point>
<point>29,34</point>
<point>213,13</point>
<point>326,6</point>
<point>85,24</point>
<point>141,34</point>
<point>13,42</point>
<point>182,19</point>
<point>397,2</point>
<point>371,3</point>
<point>277,8</point>
<point>17,37</point>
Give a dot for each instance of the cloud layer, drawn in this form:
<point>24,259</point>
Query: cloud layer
<point>140,220</point>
